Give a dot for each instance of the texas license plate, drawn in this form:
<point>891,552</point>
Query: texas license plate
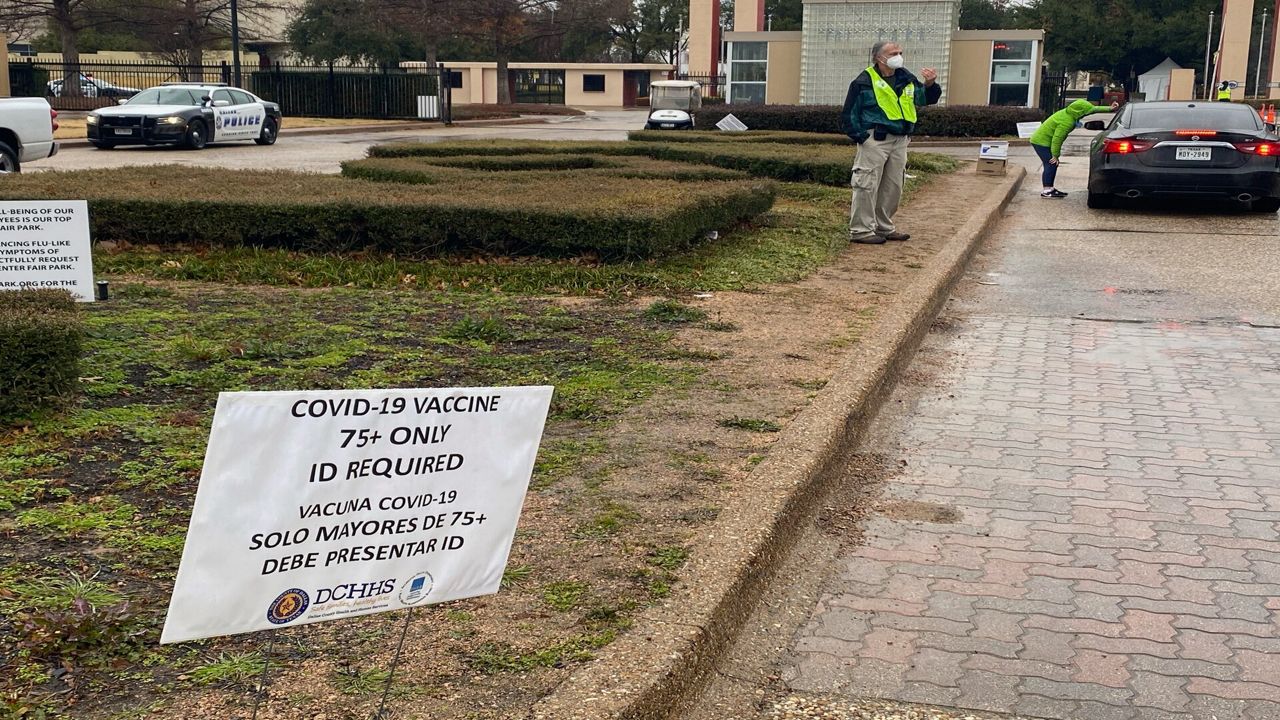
<point>124,131</point>
<point>1190,153</point>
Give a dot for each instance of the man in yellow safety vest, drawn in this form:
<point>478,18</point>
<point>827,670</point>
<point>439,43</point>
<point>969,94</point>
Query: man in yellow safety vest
<point>879,115</point>
<point>1224,91</point>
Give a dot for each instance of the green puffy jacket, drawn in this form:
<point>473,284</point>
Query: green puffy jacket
<point>1053,131</point>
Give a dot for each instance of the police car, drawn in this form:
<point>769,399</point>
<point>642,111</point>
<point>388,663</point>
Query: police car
<point>188,114</point>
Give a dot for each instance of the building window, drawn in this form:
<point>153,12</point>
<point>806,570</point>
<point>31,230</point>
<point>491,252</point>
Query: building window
<point>748,69</point>
<point>1011,72</point>
<point>592,83</point>
<point>455,79</point>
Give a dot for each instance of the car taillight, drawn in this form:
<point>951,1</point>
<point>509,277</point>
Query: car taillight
<point>53,118</point>
<point>1196,133</point>
<point>1265,149</point>
<point>1124,147</point>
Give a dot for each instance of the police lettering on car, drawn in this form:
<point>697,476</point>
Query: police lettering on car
<point>187,114</point>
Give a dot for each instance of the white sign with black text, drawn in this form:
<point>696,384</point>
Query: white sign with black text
<point>46,245</point>
<point>316,506</point>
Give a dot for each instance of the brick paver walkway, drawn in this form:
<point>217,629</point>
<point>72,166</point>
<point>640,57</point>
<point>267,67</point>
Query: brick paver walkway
<point>1116,554</point>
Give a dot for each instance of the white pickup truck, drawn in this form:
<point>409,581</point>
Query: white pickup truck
<point>26,132</point>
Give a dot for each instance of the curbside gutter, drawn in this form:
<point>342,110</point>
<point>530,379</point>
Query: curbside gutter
<point>664,660</point>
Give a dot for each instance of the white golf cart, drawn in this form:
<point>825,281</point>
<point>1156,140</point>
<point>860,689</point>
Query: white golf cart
<point>672,103</point>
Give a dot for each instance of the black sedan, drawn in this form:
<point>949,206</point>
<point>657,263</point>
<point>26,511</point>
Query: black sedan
<point>1193,149</point>
<point>188,114</point>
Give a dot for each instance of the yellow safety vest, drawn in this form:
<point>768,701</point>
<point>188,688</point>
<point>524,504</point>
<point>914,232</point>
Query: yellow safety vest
<point>893,107</point>
<point>1224,94</point>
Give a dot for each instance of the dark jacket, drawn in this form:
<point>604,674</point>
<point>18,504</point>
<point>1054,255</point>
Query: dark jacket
<point>862,114</point>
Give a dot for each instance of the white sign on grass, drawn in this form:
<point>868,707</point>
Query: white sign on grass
<point>46,245</point>
<point>729,123</point>
<point>316,506</point>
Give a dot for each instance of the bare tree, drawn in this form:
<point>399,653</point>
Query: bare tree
<point>431,22</point>
<point>506,25</point>
<point>649,28</point>
<point>180,31</point>
<point>69,18</point>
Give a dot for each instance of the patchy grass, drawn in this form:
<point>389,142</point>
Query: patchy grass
<point>235,668</point>
<point>752,424</point>
<point>96,500</point>
<point>671,311</point>
<point>805,229</point>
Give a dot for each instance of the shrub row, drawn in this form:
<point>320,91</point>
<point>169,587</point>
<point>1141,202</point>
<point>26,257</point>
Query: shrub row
<point>40,341</point>
<point>825,163</point>
<point>965,121</point>
<point>748,136</point>
<point>532,168</point>
<point>499,212</point>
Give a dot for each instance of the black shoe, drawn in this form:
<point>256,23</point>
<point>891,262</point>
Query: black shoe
<point>897,236</point>
<point>1054,193</point>
<point>868,240</point>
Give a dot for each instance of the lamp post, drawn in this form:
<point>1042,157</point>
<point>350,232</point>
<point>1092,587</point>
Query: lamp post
<point>235,44</point>
<point>1208,45</point>
<point>1257,72</point>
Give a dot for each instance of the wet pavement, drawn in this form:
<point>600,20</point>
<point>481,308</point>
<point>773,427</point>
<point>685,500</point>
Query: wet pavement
<point>324,153</point>
<point>1083,524</point>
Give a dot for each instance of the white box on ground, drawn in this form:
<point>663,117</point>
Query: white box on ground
<point>1027,129</point>
<point>46,245</point>
<point>729,123</point>
<point>993,150</point>
<point>316,506</point>
<point>428,107</point>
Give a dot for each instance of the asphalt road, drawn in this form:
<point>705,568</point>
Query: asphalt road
<point>324,153</point>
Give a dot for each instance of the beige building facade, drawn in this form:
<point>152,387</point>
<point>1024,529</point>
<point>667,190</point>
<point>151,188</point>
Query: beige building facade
<point>578,84</point>
<point>1233,47</point>
<point>815,65</point>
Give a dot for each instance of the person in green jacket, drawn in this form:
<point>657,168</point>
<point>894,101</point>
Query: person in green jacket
<point>1047,141</point>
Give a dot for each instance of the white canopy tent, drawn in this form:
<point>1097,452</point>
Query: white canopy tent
<point>1154,83</point>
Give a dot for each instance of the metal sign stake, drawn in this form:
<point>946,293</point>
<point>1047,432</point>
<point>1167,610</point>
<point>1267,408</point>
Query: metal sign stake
<point>391,674</point>
<point>262,679</point>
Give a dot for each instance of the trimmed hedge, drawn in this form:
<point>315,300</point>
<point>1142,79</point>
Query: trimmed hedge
<point>748,136</point>
<point>437,170</point>
<point>824,163</point>
<point>40,342</point>
<point>503,147</point>
<point>614,217</point>
<point>963,121</point>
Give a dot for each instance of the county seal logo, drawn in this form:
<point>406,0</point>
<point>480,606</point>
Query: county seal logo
<point>288,606</point>
<point>416,588</point>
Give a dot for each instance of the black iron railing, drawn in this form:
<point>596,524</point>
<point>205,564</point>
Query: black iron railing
<point>301,90</point>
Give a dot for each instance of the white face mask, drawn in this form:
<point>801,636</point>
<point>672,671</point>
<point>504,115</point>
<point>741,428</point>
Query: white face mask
<point>895,63</point>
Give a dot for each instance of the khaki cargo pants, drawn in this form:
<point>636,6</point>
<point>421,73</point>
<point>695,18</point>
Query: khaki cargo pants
<point>879,172</point>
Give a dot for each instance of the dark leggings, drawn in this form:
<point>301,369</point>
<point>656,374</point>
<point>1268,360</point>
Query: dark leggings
<point>1050,170</point>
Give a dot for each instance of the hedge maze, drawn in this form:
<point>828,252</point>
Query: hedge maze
<point>655,196</point>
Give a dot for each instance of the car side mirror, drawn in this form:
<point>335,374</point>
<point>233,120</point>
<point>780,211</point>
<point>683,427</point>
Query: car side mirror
<point>122,101</point>
<point>1095,125</point>
<point>220,103</point>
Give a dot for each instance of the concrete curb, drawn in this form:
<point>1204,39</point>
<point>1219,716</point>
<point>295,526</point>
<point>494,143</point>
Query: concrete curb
<point>357,129</point>
<point>662,662</point>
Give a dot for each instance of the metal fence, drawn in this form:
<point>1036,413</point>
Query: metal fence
<point>301,90</point>
<point>713,86</point>
<point>1053,93</point>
